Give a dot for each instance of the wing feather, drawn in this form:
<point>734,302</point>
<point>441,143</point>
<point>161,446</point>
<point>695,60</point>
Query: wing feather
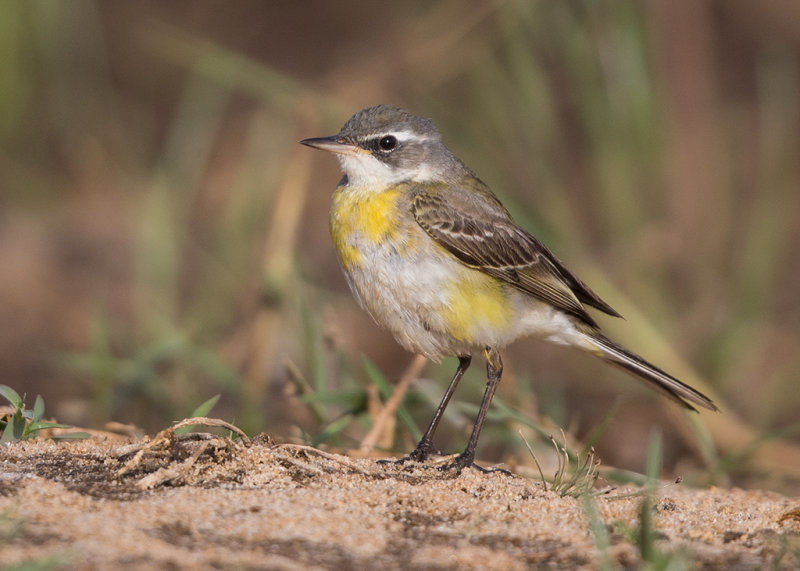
<point>473,226</point>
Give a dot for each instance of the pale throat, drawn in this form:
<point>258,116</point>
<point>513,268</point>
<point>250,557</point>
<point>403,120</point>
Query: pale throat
<point>368,173</point>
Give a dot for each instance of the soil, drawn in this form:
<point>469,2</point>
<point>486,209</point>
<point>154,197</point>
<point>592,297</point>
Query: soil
<point>203,501</point>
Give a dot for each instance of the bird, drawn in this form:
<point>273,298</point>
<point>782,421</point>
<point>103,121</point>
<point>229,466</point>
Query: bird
<point>430,252</point>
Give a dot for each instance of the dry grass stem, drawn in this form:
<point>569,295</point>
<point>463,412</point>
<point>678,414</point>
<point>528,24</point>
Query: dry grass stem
<point>390,408</point>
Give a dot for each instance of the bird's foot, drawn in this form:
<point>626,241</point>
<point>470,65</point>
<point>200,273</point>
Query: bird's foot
<point>468,461</point>
<point>422,452</point>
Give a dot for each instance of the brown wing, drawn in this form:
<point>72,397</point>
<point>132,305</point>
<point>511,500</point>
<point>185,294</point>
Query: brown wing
<point>475,228</point>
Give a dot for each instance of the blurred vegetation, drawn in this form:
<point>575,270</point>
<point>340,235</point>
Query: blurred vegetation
<point>163,238</point>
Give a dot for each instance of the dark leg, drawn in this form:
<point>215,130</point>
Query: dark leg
<point>494,370</point>
<point>425,447</point>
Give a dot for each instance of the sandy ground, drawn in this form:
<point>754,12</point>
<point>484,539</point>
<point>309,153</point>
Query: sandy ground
<point>208,503</point>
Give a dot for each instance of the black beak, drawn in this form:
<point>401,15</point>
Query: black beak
<point>333,144</point>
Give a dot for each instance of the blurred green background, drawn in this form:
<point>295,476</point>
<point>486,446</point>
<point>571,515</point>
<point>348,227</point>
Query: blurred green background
<point>163,237</point>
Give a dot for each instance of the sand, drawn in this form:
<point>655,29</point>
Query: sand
<point>206,502</point>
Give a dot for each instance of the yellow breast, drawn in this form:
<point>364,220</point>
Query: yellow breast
<point>362,219</point>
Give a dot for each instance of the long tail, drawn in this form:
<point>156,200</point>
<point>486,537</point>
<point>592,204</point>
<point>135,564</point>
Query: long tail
<point>652,375</point>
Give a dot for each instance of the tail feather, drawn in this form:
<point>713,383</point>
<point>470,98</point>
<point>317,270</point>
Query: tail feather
<point>655,377</point>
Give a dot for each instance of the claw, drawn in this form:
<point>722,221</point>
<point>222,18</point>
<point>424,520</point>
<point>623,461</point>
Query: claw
<point>422,452</point>
<point>463,461</point>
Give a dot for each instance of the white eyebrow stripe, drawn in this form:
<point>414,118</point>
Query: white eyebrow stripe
<point>402,136</point>
<point>405,136</point>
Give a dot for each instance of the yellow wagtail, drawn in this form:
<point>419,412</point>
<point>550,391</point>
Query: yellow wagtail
<point>434,257</point>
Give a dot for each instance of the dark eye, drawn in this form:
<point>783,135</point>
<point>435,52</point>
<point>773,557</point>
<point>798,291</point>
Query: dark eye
<point>387,142</point>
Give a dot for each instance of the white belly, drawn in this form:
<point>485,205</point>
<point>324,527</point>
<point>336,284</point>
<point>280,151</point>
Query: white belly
<point>407,296</point>
<point>412,297</point>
